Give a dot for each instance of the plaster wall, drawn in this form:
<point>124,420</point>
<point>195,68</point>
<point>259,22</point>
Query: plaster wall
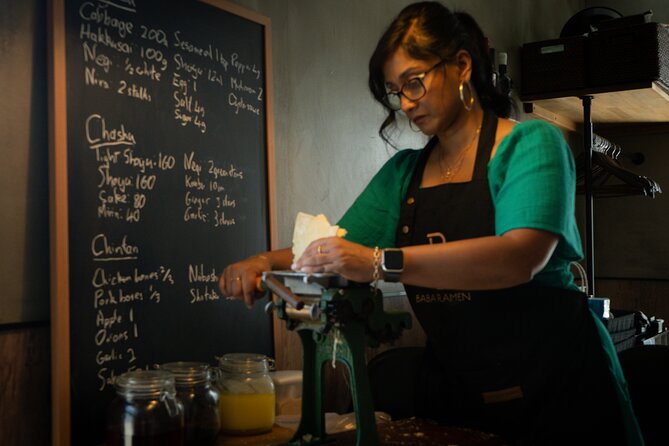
<point>326,141</point>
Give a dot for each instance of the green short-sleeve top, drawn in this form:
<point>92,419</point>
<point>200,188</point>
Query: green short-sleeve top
<point>532,182</point>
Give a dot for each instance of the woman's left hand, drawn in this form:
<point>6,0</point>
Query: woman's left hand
<point>335,255</point>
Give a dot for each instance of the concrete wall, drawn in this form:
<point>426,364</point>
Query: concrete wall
<point>327,146</point>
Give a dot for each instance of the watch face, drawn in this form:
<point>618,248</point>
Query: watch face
<point>393,260</point>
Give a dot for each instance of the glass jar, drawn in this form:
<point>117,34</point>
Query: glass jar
<point>196,389</point>
<point>145,411</point>
<point>247,393</point>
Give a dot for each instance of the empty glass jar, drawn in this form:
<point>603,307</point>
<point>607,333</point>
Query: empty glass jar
<point>247,393</point>
<point>197,391</point>
<point>145,411</point>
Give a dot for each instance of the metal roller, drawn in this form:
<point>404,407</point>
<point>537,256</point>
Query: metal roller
<point>308,313</point>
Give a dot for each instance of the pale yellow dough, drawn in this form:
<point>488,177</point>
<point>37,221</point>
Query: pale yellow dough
<point>309,228</point>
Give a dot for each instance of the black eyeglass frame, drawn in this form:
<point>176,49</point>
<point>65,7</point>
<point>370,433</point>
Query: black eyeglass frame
<point>401,92</point>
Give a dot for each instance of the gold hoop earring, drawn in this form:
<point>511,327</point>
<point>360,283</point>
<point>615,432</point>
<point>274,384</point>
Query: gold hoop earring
<point>467,106</point>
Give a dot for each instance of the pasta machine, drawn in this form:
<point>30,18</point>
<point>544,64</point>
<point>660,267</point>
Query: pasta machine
<point>335,320</point>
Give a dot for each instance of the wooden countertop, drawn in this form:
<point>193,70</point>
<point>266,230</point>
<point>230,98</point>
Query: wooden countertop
<point>278,436</point>
<point>408,432</point>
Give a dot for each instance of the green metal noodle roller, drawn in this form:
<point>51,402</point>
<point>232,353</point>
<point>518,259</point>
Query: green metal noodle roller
<point>336,319</point>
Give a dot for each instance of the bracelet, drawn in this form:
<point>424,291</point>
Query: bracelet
<point>375,264</point>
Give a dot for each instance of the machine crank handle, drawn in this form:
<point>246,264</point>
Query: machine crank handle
<point>282,291</point>
<point>269,306</point>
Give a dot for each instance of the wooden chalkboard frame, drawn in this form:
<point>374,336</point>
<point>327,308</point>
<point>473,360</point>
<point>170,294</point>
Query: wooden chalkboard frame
<point>59,207</point>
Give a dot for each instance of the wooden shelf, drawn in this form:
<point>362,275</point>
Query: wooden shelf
<point>640,103</point>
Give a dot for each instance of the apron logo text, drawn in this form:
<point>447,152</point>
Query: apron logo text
<point>431,298</point>
<point>436,237</point>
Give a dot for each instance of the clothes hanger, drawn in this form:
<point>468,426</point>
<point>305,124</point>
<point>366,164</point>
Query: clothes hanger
<point>609,177</point>
<point>613,150</point>
<point>605,146</point>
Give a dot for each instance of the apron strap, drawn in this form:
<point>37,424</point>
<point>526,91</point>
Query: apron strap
<point>485,145</point>
<point>483,151</point>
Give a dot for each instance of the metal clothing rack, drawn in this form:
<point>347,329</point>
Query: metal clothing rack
<point>589,198</point>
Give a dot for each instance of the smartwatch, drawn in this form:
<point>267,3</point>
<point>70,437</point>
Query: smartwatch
<point>392,264</point>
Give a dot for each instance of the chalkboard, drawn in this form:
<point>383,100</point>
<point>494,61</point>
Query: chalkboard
<point>162,176</point>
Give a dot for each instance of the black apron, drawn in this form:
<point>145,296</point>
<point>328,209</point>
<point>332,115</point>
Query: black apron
<point>524,362</point>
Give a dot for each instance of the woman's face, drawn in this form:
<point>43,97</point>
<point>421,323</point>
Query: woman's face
<point>438,108</point>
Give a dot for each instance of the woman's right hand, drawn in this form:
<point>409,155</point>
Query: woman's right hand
<point>241,280</point>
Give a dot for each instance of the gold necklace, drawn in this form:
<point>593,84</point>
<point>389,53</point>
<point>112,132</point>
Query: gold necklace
<point>452,169</point>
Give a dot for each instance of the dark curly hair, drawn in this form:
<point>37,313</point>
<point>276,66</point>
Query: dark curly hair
<point>427,30</point>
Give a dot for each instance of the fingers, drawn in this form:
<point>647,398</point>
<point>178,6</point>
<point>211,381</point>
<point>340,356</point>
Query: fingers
<point>318,257</point>
<point>248,288</point>
<point>227,283</point>
<point>221,284</point>
<point>335,255</point>
<point>312,257</point>
<point>240,283</point>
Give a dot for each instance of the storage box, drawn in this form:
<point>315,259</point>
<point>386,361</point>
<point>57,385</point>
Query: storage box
<point>627,343</point>
<point>630,54</point>
<point>288,389</point>
<point>553,65</point>
<point>601,306</point>
<point>626,328</point>
<point>620,336</point>
<point>621,320</point>
<point>658,339</point>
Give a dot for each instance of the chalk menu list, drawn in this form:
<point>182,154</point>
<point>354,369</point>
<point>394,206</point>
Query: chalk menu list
<point>167,184</point>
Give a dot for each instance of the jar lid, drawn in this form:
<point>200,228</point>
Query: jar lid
<point>245,363</point>
<point>188,373</point>
<point>145,382</point>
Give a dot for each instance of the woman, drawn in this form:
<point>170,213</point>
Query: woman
<point>479,227</point>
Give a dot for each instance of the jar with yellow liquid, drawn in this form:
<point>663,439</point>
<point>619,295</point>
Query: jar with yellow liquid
<point>247,398</point>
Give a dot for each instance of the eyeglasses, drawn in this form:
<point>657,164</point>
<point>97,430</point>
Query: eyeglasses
<point>413,89</point>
